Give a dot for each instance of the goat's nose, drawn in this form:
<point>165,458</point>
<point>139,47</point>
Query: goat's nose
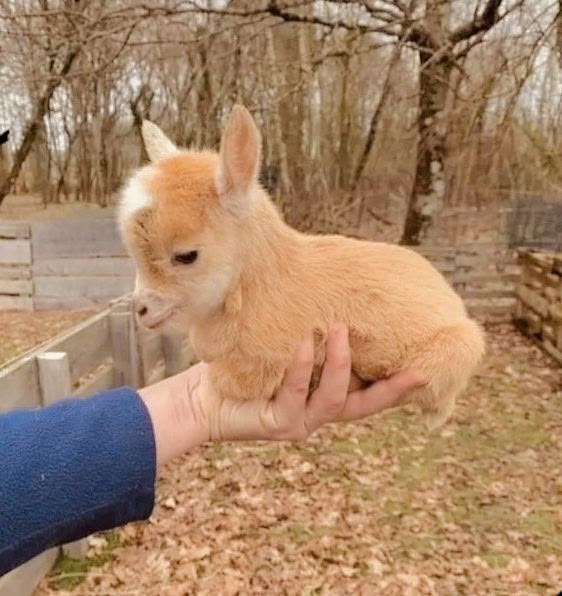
<point>140,308</point>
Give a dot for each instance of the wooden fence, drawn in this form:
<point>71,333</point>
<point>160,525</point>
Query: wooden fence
<point>68,263</point>
<point>80,263</point>
<point>16,285</point>
<point>539,306</point>
<point>485,275</point>
<point>105,351</point>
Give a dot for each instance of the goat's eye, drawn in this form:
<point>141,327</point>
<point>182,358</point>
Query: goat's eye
<point>186,258</point>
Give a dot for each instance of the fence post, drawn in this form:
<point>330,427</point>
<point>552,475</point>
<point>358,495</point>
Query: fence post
<point>176,355</point>
<point>121,348</point>
<point>55,383</point>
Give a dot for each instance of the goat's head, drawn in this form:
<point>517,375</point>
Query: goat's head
<point>181,218</point>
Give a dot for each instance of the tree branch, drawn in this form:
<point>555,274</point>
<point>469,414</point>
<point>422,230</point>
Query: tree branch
<point>481,23</point>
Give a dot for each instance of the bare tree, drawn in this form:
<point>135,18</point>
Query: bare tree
<point>377,115</point>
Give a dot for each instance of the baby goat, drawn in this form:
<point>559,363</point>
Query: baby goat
<point>214,257</point>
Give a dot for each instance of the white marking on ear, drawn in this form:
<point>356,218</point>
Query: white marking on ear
<point>156,143</point>
<point>133,198</point>
<point>239,159</point>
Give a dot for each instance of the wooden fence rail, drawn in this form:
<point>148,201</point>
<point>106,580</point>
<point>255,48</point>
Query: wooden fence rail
<point>104,351</point>
<point>539,305</point>
<point>484,274</point>
<point>70,263</point>
<point>16,285</point>
<point>81,263</point>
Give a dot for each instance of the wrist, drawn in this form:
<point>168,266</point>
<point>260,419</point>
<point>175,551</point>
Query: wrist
<point>178,419</point>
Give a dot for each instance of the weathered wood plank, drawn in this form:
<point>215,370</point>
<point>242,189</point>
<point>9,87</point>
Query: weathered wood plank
<point>555,311</point>
<point>540,259</point>
<point>485,293</point>
<point>533,299</point>
<point>476,277</point>
<point>553,351</point>
<point>50,303</point>
<point>557,330</point>
<point>157,373</point>
<point>548,332</point>
<point>16,303</point>
<point>15,252</point>
<point>444,267</point>
<point>54,376</point>
<point>491,314</point>
<point>94,237</point>
<point>15,272</point>
<point>177,353</point>
<point>150,353</point>
<point>527,320</point>
<point>492,309</point>
<point>23,580</point>
<point>121,304</point>
<point>92,266</point>
<point>14,229</point>
<point>478,260</point>
<point>101,380</point>
<point>123,349</point>
<point>93,288</point>
<point>16,287</point>
<point>19,385</point>
<point>87,345</point>
<point>435,252</point>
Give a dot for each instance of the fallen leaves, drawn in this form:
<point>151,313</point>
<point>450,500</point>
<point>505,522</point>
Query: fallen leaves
<point>377,507</point>
<point>22,331</point>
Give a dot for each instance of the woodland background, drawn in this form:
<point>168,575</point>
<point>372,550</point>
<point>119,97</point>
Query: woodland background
<point>426,121</point>
<point>376,114</point>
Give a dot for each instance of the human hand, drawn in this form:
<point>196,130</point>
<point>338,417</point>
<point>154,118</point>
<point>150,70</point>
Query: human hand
<point>186,412</point>
<point>292,414</point>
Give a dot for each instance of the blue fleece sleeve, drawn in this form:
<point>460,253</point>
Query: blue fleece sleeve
<point>73,468</point>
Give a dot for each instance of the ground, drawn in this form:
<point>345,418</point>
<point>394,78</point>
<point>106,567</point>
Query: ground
<point>31,208</point>
<point>377,507</point>
<point>22,331</point>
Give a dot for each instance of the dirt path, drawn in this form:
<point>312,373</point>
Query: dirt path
<point>371,508</point>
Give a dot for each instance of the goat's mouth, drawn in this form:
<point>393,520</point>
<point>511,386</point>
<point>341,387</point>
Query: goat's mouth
<point>155,321</point>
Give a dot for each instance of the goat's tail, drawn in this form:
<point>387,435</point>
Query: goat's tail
<point>447,360</point>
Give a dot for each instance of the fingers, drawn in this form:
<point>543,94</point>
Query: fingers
<point>327,402</point>
<point>384,394</point>
<point>293,392</point>
<point>291,416</point>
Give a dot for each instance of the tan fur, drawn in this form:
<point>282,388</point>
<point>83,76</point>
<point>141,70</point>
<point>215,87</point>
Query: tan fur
<point>258,285</point>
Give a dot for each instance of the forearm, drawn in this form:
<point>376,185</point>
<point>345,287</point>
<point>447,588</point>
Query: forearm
<point>178,419</point>
<point>73,468</point>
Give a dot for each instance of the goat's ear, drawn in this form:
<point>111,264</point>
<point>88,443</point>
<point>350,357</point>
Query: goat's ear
<point>156,143</point>
<point>239,157</point>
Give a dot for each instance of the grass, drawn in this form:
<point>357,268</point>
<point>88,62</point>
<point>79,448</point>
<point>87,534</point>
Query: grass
<point>473,459</point>
<point>496,559</point>
<point>471,508</point>
<point>69,573</point>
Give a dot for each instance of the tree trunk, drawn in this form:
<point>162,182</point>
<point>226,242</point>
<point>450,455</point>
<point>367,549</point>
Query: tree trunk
<point>3,162</point>
<point>33,126</point>
<point>559,31</point>
<point>428,191</point>
<point>375,122</point>
<point>286,186</point>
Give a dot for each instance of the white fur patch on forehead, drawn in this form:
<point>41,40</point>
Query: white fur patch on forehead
<point>134,197</point>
